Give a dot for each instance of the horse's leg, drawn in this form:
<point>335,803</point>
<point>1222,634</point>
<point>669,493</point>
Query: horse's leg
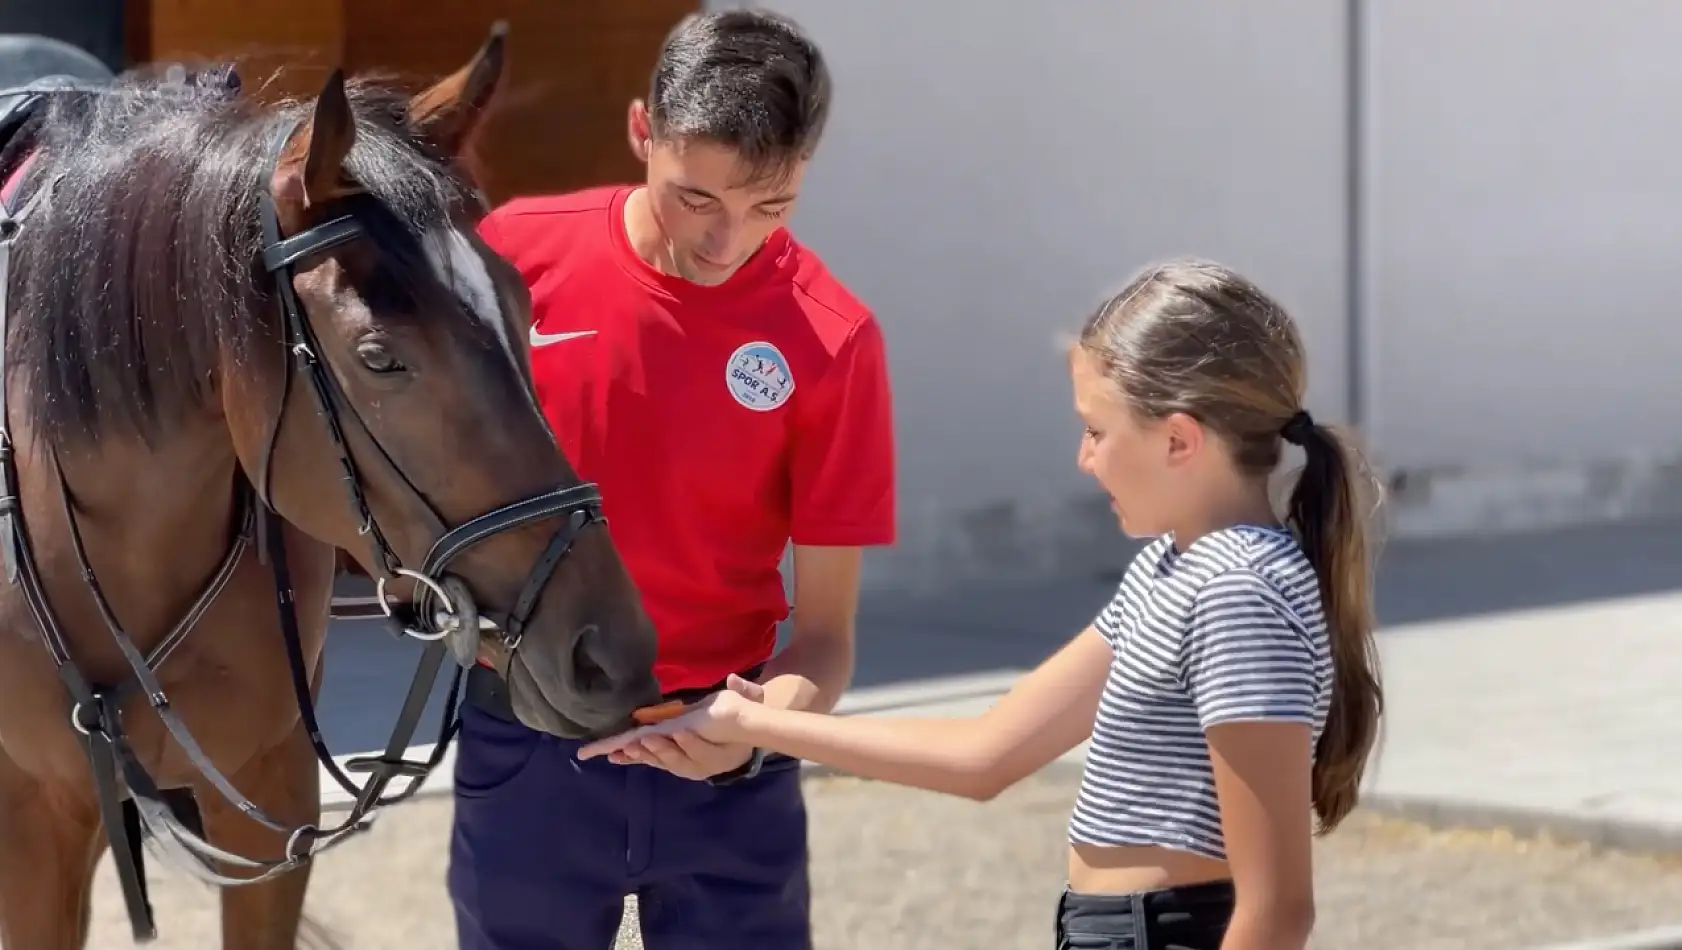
<point>49,846</point>
<point>284,783</point>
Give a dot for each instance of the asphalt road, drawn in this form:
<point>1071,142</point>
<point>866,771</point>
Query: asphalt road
<point>893,868</point>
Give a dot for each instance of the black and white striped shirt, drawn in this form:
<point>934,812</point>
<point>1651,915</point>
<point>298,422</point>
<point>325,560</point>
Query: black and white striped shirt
<point>1230,629</point>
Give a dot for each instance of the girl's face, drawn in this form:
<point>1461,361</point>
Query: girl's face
<point>1144,465</point>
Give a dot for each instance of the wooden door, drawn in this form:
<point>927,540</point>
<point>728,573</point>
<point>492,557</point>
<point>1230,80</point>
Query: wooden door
<point>283,46</point>
<point>574,65</point>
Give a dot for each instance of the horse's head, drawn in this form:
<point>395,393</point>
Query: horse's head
<point>404,378</point>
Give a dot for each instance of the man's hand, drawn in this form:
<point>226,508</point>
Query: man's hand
<point>685,755</point>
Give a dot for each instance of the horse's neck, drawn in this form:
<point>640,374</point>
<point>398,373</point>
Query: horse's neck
<point>155,521</point>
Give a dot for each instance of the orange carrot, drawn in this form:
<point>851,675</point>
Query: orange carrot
<point>649,715</point>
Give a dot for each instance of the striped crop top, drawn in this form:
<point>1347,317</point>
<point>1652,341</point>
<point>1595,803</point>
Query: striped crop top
<point>1229,629</point>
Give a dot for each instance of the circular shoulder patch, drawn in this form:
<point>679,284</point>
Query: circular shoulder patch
<point>758,376</point>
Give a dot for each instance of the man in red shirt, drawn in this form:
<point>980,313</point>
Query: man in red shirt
<point>730,397</point>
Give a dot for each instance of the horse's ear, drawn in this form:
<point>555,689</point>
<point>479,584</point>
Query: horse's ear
<point>332,132</point>
<point>448,114</point>
<point>311,171</point>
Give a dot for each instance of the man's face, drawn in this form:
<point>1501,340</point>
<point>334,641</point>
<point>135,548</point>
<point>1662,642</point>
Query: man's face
<point>714,218</point>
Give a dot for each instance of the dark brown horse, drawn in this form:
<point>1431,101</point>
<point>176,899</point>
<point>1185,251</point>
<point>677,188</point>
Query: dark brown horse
<point>241,336</point>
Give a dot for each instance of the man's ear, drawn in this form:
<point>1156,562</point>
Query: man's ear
<point>639,130</point>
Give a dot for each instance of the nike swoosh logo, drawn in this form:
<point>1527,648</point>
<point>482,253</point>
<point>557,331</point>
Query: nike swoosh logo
<point>544,339</point>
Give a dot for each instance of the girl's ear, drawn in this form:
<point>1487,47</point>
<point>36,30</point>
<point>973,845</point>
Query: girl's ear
<point>1186,437</point>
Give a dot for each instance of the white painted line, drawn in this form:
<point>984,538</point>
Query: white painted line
<point>1663,938</point>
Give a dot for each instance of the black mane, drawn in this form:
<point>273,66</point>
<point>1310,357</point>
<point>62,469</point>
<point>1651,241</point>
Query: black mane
<point>139,264</point>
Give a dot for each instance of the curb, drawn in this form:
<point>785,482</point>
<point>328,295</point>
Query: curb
<point>1601,832</point>
<point>918,693</point>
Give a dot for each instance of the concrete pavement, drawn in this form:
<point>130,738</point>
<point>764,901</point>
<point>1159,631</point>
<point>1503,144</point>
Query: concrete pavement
<point>1565,719</point>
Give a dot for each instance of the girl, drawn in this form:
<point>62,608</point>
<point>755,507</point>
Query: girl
<point>1231,686</point>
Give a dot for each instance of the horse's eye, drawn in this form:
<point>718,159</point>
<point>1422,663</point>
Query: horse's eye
<point>378,359</point>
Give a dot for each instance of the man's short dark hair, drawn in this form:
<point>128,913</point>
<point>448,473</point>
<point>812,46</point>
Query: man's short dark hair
<point>750,80</point>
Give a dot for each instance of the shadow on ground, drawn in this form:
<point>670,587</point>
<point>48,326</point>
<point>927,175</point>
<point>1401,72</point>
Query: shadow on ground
<point>1008,625</point>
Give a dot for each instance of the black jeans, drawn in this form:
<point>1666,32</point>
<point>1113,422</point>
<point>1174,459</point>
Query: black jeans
<point>1179,918</point>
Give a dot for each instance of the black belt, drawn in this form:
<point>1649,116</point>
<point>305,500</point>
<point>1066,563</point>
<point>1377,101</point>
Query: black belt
<point>489,693</point>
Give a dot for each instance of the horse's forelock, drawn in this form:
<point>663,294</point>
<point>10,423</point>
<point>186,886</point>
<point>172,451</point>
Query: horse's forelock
<point>137,271</point>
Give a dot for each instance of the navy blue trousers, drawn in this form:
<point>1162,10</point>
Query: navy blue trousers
<point>544,849</point>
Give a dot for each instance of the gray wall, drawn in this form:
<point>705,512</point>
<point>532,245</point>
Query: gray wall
<point>1527,197</point>
<point>991,173</point>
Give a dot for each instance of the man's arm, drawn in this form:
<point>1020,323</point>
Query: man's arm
<point>816,666</point>
<point>842,473</point>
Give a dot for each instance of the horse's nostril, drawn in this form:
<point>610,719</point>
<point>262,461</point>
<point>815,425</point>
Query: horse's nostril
<point>590,675</point>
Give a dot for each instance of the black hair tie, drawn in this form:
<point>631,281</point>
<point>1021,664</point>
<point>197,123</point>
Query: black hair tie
<point>1298,428</point>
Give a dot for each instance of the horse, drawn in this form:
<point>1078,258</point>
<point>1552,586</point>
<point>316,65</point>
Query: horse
<point>238,338</point>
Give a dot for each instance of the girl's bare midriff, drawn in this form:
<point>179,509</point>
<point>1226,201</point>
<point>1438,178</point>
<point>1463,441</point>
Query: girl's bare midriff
<point>1100,870</point>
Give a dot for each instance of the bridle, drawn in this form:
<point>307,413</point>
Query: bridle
<point>441,613</point>
<point>441,606</point>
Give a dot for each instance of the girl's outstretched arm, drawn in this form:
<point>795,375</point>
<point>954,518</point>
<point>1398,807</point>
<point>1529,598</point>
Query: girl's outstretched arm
<point>1047,713</point>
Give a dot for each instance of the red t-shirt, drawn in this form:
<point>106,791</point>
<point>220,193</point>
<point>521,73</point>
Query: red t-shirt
<point>721,422</point>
